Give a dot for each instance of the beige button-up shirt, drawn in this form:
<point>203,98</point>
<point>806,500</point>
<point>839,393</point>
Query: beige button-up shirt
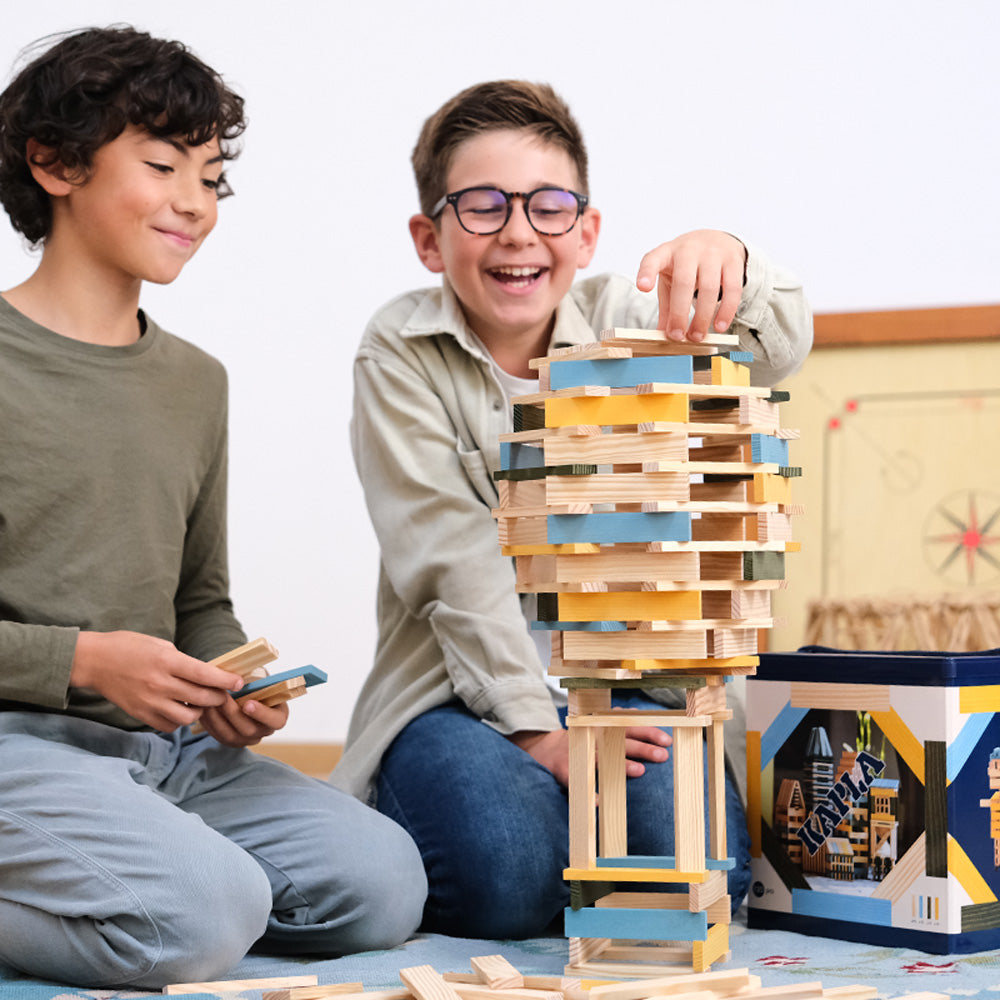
<point>428,412</point>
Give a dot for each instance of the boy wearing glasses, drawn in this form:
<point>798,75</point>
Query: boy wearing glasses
<point>132,852</point>
<point>457,734</point>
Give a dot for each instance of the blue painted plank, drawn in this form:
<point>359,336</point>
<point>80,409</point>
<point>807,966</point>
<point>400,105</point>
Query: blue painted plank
<point>619,526</point>
<point>740,357</point>
<point>311,674</point>
<point>656,925</point>
<point>764,448</point>
<point>661,861</point>
<point>517,455</point>
<point>621,373</point>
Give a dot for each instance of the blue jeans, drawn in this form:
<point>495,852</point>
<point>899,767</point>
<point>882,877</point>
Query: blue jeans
<point>492,824</point>
<point>141,858</point>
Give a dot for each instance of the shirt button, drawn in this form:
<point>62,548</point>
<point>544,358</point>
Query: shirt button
<point>497,405</point>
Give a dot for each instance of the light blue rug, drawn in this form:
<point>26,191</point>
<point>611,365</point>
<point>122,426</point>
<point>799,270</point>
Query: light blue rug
<point>778,957</point>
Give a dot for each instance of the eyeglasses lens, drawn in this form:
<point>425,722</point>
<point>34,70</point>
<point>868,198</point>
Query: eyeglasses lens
<point>482,210</point>
<point>551,211</point>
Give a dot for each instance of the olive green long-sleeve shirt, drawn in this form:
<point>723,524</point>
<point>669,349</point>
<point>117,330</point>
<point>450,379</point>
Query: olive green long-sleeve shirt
<point>428,412</point>
<point>112,505</point>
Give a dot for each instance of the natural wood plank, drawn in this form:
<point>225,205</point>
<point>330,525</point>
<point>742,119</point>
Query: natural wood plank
<point>312,992</point>
<point>428,984</point>
<point>235,985</point>
<point>496,972</point>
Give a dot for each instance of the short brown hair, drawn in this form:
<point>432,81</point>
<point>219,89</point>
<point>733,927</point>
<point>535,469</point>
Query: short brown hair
<point>492,107</point>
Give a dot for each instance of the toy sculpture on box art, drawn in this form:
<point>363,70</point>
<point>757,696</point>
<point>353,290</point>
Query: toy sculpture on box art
<point>993,803</point>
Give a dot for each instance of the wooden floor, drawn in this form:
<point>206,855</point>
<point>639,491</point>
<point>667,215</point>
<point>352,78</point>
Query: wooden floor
<point>315,759</point>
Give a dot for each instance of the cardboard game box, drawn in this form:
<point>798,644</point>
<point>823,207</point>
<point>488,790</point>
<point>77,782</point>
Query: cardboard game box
<point>874,797</point>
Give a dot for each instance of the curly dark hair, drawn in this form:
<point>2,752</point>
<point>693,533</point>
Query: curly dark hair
<point>86,89</point>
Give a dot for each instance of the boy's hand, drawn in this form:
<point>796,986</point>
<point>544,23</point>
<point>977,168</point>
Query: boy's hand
<point>149,678</point>
<point>705,269</point>
<point>243,725</point>
<point>551,749</point>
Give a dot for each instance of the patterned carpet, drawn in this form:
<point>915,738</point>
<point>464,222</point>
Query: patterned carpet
<point>779,958</point>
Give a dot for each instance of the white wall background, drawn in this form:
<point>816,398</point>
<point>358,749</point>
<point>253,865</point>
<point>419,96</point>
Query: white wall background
<point>857,142</point>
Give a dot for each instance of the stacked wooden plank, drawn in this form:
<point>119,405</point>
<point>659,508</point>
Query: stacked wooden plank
<point>645,495</point>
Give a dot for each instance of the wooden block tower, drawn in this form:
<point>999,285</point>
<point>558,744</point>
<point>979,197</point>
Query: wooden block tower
<point>645,495</point>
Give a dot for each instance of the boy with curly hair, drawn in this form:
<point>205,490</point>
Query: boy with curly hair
<point>456,733</point>
<point>132,852</point>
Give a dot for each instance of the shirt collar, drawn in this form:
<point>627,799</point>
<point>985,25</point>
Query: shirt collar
<point>440,312</point>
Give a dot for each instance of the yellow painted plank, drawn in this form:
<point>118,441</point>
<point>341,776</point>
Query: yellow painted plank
<point>741,664</point>
<point>610,410</point>
<point>771,489</point>
<point>726,372</point>
<point>630,605</point>
<point>712,949</point>
<point>633,875</point>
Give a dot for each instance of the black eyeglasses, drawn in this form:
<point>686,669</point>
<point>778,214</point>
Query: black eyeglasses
<point>484,211</point>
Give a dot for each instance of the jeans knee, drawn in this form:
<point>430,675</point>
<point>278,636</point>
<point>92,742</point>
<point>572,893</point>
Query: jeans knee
<point>388,895</point>
<point>209,929</point>
<point>512,892</point>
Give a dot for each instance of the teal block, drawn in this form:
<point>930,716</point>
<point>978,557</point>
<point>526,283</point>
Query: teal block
<point>312,675</point>
<point>619,526</point>
<point>516,455</point>
<point>764,448</point>
<point>661,861</point>
<point>636,924</point>
<point>620,373</point>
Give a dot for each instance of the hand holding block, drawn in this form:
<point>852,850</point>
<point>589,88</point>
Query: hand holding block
<point>244,660</point>
<point>277,688</point>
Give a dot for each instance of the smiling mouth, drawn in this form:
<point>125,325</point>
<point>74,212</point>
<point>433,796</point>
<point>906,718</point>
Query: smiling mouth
<point>181,239</point>
<point>517,277</point>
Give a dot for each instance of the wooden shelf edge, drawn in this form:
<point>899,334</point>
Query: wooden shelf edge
<point>907,326</point>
